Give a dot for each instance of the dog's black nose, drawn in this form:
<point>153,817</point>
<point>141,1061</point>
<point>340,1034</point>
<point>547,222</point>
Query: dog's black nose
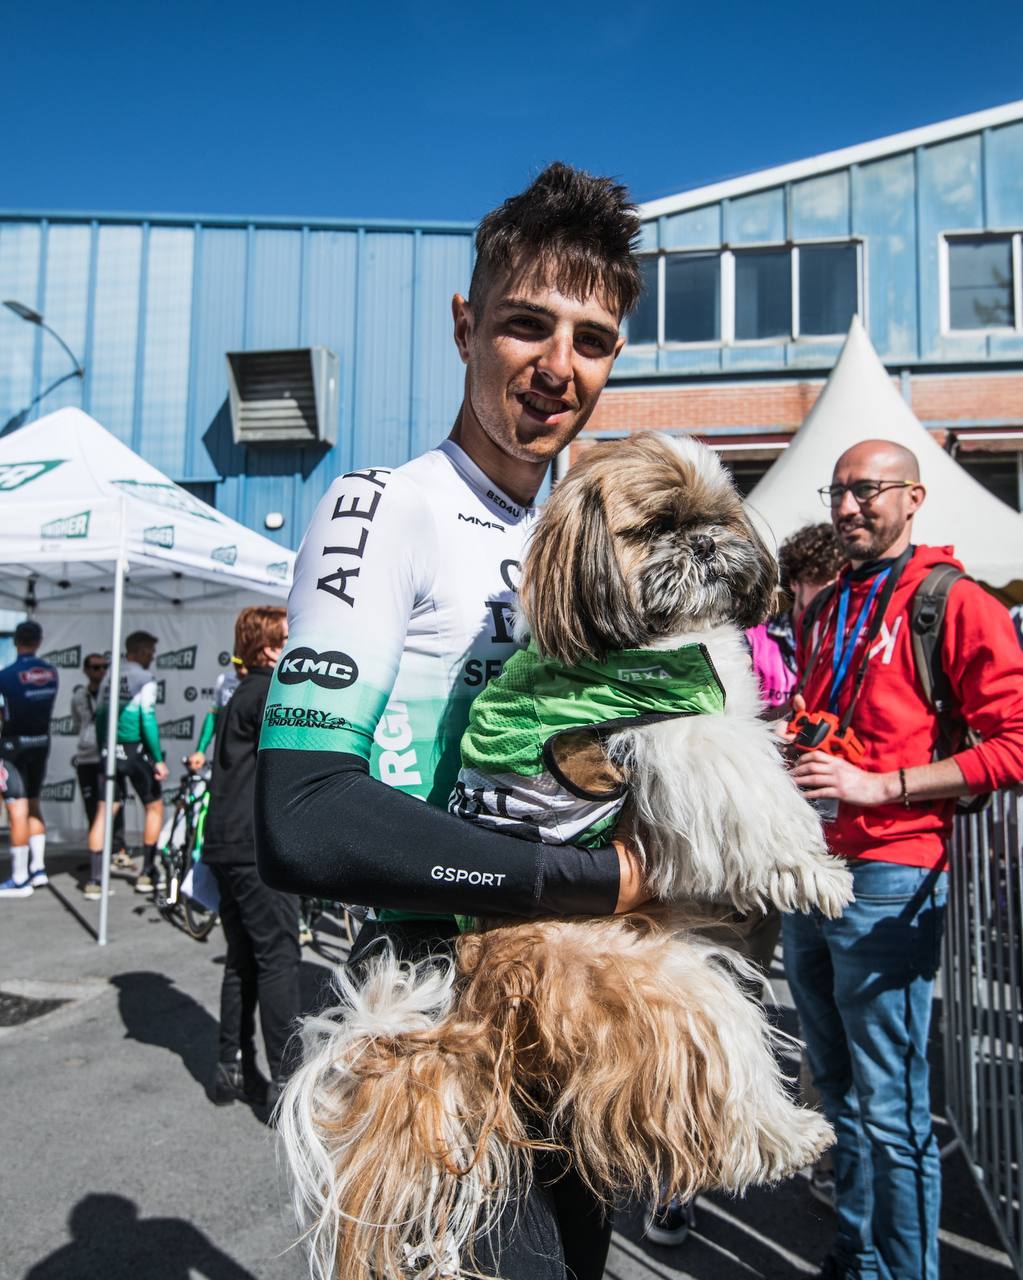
<point>703,546</point>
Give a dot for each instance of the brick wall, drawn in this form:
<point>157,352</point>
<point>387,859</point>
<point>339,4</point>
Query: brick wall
<point>779,408</point>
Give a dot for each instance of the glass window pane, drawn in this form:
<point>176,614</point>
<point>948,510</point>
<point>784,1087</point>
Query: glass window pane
<point>763,295</point>
<point>692,297</point>
<point>980,283</point>
<point>827,288</point>
<point>643,321</point>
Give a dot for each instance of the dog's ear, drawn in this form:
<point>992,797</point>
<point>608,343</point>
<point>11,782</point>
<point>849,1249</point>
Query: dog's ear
<point>573,590</point>
<point>758,597</point>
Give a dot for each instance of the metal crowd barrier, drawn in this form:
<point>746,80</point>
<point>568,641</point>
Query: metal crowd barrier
<point>983,1008</point>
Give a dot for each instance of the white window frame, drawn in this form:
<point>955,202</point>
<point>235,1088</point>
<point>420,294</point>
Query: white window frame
<point>726,301</point>
<point>945,283</point>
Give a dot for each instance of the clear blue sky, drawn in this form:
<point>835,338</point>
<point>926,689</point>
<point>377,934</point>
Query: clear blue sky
<point>432,110</point>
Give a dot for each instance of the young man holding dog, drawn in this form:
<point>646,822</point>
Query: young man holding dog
<point>400,613</point>
<point>863,983</point>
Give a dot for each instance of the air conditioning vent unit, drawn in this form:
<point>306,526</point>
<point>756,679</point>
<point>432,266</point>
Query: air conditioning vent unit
<point>284,397</point>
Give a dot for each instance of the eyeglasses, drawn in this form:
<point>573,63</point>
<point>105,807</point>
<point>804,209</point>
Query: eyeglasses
<point>97,666</point>
<point>863,491</point>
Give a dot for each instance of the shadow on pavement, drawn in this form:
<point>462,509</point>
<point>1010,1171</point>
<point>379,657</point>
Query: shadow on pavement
<point>111,1242</point>
<point>155,1011</point>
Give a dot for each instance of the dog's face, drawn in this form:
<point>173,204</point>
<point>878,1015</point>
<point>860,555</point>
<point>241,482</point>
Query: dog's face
<point>644,538</point>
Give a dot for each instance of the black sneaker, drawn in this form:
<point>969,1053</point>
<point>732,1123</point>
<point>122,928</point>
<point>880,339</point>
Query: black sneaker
<point>668,1224</point>
<point>238,1082</point>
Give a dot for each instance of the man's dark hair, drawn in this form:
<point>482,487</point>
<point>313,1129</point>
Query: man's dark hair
<point>137,640</point>
<point>28,633</point>
<point>811,554</point>
<point>577,231</point>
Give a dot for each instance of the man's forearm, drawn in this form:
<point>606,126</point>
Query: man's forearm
<point>941,780</point>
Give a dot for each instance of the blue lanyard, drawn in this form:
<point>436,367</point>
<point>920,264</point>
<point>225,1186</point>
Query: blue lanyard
<point>843,651</point>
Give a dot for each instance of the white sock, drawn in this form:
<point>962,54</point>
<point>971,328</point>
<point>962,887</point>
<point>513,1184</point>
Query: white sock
<point>19,863</point>
<point>37,846</point>
<point>97,866</point>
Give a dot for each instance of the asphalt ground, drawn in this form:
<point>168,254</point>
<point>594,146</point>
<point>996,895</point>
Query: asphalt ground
<point>114,1165</point>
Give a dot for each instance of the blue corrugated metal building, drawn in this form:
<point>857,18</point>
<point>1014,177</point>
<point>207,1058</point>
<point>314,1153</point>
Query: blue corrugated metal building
<point>152,304</point>
<point>751,284</point>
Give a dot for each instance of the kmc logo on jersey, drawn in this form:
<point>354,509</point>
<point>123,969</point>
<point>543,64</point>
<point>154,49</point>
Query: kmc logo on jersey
<point>330,670</point>
<point>70,658</point>
<point>181,730</point>
<point>224,555</point>
<point>76,526</point>
<point>61,792</point>
<point>14,474</point>
<point>62,726</point>
<point>177,659</point>
<point>159,535</point>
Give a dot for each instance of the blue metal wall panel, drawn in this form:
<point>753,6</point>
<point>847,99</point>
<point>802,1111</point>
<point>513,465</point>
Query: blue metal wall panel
<point>65,304</point>
<point>819,207</point>
<point>693,229</point>
<point>692,360</point>
<point>163,411</point>
<point>442,270</point>
<point>884,214</point>
<point>114,346</point>
<point>219,326</point>
<point>648,237</point>
<point>329,320</point>
<point>20,250</point>
<point>383,362</point>
<point>756,218</point>
<point>1003,171</point>
<point>949,198</point>
<point>274,290</point>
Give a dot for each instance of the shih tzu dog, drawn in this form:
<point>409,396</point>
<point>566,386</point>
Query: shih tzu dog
<point>625,1040</point>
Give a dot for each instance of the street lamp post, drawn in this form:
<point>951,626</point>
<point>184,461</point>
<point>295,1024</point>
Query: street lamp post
<point>33,317</point>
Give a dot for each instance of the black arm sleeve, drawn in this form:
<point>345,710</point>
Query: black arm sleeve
<point>326,829</point>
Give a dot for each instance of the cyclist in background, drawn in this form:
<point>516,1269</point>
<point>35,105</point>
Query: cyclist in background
<point>28,688</point>
<point>225,686</point>
<point>139,757</point>
<point>87,756</point>
<point>260,924</point>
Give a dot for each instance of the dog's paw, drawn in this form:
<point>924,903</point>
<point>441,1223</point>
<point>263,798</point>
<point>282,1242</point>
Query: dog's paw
<point>820,881</point>
<point>808,1141</point>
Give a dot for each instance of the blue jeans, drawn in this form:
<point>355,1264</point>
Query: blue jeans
<point>862,986</point>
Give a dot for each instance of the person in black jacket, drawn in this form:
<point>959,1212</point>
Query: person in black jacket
<point>260,924</point>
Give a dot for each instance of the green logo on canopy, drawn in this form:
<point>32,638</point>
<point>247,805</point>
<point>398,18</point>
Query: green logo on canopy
<point>15,474</point>
<point>76,526</point>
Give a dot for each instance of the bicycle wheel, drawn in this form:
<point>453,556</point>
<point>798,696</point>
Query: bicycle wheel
<point>199,921</point>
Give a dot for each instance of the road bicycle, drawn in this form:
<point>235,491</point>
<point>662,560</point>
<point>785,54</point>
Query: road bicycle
<point>179,851</point>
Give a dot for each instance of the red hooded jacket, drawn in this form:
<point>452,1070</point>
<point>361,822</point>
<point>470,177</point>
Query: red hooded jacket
<point>897,725</point>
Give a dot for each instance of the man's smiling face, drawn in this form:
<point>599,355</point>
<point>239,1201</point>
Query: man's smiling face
<point>536,363</point>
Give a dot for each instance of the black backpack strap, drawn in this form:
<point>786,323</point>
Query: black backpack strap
<point>927,621</point>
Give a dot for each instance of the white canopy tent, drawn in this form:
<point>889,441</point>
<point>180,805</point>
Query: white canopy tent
<point>860,402</point>
<point>84,520</point>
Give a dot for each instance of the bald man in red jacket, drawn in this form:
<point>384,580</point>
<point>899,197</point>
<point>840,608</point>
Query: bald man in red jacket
<point>863,984</point>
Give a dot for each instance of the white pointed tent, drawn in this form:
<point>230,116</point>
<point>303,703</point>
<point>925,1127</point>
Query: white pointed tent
<point>85,522</point>
<point>860,402</point>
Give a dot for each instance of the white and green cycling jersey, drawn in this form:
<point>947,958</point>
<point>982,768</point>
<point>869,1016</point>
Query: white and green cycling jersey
<point>399,614</point>
<point>136,714</point>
